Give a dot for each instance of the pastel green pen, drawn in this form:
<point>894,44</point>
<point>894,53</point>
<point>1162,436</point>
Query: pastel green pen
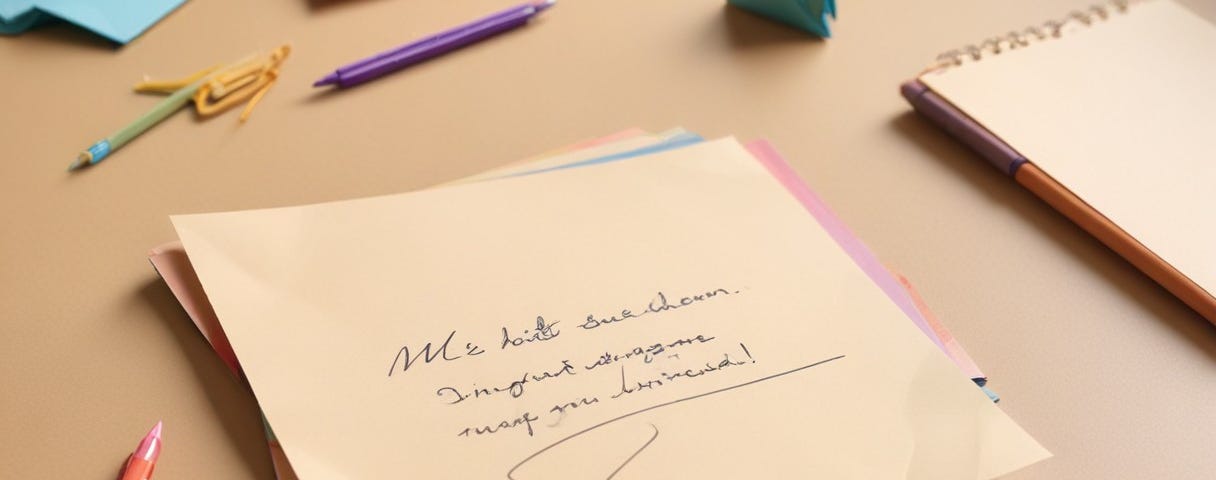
<point>174,102</point>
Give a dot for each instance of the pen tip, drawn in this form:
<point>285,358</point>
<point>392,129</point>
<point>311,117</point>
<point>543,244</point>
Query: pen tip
<point>85,158</point>
<point>543,4</point>
<point>328,80</point>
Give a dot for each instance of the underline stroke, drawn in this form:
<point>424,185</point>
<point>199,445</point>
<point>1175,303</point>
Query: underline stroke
<point>511,472</point>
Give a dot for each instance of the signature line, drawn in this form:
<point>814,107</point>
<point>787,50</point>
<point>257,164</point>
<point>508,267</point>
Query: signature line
<point>511,472</point>
<point>635,454</point>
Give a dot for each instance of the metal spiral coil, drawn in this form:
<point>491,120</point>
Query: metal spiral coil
<point>1022,38</point>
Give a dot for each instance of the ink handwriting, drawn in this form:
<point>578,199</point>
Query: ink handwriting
<point>664,378</point>
<point>430,353</point>
<point>647,353</point>
<point>544,331</point>
<point>407,357</point>
<point>659,304</point>
<point>526,420</point>
<point>515,388</point>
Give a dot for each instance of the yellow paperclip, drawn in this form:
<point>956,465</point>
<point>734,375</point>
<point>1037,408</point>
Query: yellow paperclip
<point>244,82</point>
<point>238,76</point>
<point>224,87</point>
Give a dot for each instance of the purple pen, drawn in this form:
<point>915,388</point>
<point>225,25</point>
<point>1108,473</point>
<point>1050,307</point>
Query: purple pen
<point>438,44</point>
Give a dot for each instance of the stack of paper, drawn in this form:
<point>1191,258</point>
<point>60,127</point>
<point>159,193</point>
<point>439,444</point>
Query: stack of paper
<point>668,309</point>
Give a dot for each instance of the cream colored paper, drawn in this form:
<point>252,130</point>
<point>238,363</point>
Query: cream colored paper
<point>562,158</point>
<point>318,302</point>
<point>1123,113</point>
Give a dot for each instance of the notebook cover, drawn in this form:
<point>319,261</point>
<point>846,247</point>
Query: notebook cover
<point>1080,131</point>
<point>1005,158</point>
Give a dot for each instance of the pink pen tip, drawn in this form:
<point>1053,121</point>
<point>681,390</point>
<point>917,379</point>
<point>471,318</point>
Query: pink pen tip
<point>328,80</point>
<point>149,447</point>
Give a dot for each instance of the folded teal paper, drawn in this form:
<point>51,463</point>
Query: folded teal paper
<point>809,15</point>
<point>118,20</point>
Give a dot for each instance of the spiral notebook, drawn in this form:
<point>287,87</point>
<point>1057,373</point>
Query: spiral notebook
<point>1107,114</point>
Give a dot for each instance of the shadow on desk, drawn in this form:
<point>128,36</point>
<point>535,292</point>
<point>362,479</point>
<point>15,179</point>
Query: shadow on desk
<point>234,405</point>
<point>746,30</point>
<point>322,5</point>
<point>1001,189</point>
<point>60,34</point>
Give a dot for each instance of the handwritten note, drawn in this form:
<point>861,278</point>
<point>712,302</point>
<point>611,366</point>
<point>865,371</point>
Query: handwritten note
<point>676,316</point>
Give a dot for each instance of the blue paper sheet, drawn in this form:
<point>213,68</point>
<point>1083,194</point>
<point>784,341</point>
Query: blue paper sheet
<point>117,20</point>
<point>677,141</point>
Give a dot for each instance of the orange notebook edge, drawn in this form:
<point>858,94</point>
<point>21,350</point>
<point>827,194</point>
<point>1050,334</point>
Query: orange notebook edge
<point>1089,219</point>
<point>957,124</point>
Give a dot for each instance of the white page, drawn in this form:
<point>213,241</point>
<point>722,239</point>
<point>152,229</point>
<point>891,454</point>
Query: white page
<point>1123,114</point>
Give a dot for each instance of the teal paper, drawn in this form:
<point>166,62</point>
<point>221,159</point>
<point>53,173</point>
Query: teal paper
<point>809,15</point>
<point>117,20</point>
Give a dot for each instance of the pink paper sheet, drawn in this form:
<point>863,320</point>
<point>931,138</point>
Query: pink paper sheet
<point>897,288</point>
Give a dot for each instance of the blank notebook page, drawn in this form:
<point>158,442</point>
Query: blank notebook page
<point>1122,113</point>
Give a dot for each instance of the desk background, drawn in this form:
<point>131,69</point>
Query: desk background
<point>1105,368</point>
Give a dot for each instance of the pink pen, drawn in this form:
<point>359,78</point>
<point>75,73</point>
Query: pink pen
<point>141,463</point>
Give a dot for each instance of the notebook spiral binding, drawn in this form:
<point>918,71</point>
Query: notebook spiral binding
<point>1034,33</point>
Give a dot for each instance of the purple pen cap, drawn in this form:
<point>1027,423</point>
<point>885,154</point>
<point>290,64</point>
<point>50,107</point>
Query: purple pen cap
<point>369,68</point>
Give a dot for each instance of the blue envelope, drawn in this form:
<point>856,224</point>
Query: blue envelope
<point>117,20</point>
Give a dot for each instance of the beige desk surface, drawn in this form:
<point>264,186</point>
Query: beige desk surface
<point>1112,374</point>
